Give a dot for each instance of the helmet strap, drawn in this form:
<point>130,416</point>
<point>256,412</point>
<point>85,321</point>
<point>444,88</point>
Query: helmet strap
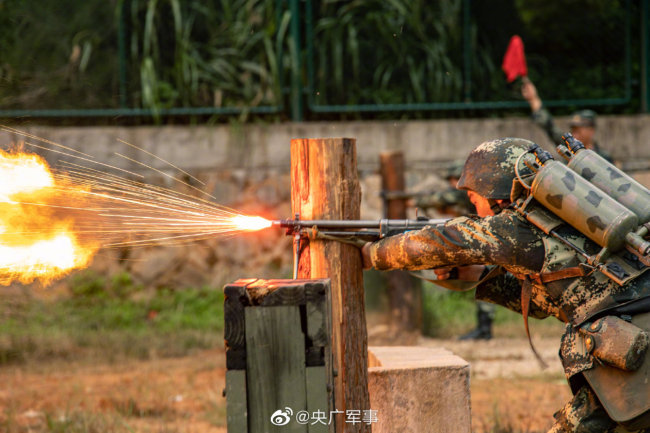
<point>494,205</point>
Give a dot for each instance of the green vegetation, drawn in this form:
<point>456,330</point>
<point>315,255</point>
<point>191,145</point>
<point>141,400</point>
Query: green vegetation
<point>189,53</point>
<point>111,320</point>
<point>242,53</point>
<point>58,54</point>
<point>414,48</point>
<point>116,319</point>
<point>447,314</point>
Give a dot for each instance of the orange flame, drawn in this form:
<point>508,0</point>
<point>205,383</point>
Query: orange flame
<point>249,223</point>
<point>52,221</point>
<point>35,241</point>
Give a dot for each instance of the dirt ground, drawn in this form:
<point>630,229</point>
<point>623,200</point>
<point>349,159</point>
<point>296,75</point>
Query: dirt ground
<point>510,391</point>
<point>168,395</point>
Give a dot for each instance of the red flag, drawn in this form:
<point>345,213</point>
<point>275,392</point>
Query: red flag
<point>514,61</point>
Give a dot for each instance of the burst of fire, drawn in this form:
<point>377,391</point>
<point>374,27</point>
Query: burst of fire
<point>249,223</point>
<point>53,220</point>
<point>34,243</point>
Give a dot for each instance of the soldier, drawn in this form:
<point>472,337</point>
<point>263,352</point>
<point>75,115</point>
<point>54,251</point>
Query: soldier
<point>455,202</point>
<point>542,277</point>
<point>583,122</point>
<point>450,201</point>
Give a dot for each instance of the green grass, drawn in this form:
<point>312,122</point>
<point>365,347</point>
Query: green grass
<point>111,320</point>
<point>448,314</point>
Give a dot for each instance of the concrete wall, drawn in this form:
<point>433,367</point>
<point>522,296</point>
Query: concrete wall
<point>266,146</point>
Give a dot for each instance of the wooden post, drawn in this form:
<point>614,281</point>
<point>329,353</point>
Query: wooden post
<point>403,292</point>
<point>325,185</point>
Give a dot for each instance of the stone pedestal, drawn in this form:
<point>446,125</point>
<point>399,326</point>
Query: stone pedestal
<point>418,390</point>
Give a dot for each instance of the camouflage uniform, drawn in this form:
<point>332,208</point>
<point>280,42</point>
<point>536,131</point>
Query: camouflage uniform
<point>508,241</point>
<point>543,118</point>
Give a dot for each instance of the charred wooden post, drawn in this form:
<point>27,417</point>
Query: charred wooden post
<point>404,293</point>
<point>278,354</point>
<point>325,185</point>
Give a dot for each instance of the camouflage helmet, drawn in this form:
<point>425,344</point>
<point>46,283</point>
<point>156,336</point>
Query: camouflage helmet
<point>583,118</point>
<point>490,168</point>
<point>454,169</point>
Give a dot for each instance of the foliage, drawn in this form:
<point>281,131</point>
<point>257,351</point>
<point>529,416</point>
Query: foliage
<point>578,50</point>
<point>57,54</point>
<point>197,53</point>
<point>374,51</point>
<point>238,53</point>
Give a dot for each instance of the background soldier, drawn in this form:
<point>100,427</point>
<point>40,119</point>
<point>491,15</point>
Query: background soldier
<point>450,201</point>
<point>583,122</point>
<point>455,202</point>
<point>542,278</point>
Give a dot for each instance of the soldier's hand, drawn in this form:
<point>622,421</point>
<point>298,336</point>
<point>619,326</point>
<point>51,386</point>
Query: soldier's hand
<point>529,92</point>
<point>444,273</point>
<point>365,254</point>
<point>465,273</point>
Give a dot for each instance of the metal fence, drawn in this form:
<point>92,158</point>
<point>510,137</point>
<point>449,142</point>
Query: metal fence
<point>309,59</point>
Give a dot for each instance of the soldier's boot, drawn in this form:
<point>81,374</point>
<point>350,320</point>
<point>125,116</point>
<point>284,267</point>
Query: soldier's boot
<point>483,330</point>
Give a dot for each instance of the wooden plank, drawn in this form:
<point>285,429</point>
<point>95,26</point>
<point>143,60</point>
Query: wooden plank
<point>316,383</point>
<point>285,295</point>
<point>236,409</point>
<point>325,185</point>
<point>275,364</point>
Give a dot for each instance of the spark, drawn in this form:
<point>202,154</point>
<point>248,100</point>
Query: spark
<point>161,159</point>
<point>68,212</point>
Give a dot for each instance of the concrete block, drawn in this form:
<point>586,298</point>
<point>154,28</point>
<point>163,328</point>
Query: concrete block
<point>418,390</point>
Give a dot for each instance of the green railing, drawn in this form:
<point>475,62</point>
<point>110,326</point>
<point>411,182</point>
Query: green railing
<point>461,43</point>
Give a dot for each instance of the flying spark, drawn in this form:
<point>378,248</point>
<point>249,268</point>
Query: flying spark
<point>54,219</point>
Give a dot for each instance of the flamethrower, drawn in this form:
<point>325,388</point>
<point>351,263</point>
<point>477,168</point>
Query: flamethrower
<point>364,230</point>
<point>354,232</point>
<point>594,197</point>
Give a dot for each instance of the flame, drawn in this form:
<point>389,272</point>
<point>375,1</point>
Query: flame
<point>249,223</point>
<point>53,221</point>
<point>36,242</point>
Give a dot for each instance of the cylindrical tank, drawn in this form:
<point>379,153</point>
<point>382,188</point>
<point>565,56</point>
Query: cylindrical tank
<point>583,205</point>
<point>606,176</point>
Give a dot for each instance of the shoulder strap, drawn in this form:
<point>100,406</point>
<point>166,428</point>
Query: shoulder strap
<point>526,291</point>
<point>547,277</point>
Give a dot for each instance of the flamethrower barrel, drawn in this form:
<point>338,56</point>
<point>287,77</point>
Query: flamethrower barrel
<point>360,224</point>
<point>329,224</point>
